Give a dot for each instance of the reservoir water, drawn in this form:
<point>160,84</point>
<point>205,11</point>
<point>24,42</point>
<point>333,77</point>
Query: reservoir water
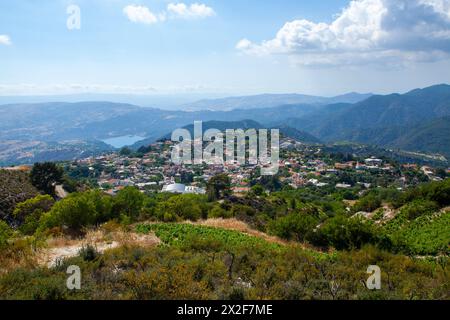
<point>119,142</point>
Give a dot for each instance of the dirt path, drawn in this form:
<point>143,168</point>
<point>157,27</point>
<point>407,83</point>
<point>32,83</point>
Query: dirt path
<point>62,248</point>
<point>50,257</point>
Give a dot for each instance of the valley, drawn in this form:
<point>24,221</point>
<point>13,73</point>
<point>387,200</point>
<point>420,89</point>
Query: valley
<point>34,132</point>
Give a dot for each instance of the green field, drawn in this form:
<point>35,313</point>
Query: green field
<point>426,235</point>
<point>175,234</point>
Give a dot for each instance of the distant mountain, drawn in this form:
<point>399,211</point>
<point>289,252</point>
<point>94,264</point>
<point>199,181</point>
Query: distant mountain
<point>403,121</point>
<point>49,121</point>
<point>384,111</point>
<point>155,100</point>
<point>58,121</point>
<point>309,120</point>
<point>187,102</point>
<point>269,101</point>
<point>352,97</point>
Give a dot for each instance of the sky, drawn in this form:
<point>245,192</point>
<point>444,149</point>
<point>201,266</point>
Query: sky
<point>233,47</point>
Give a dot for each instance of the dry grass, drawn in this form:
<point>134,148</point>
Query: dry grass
<point>102,239</point>
<point>18,254</point>
<point>350,203</point>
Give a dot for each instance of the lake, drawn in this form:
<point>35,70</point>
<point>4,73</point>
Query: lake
<point>119,142</point>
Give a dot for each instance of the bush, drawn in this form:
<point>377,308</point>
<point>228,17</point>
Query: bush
<point>368,203</point>
<point>88,253</point>
<point>5,233</point>
<point>438,192</point>
<point>345,233</point>
<point>242,211</point>
<point>49,289</point>
<point>181,207</point>
<point>29,212</point>
<point>37,284</point>
<point>294,226</point>
<point>218,212</point>
<point>419,208</point>
<point>78,210</point>
<point>129,202</point>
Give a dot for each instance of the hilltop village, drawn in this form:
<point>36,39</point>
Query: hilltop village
<point>151,170</point>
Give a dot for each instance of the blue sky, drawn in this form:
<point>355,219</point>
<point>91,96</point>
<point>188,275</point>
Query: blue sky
<point>322,47</point>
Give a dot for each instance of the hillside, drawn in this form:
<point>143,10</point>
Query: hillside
<point>395,110</point>
<point>48,121</point>
<point>298,135</point>
<point>194,248</point>
<point>433,136</point>
<point>415,121</point>
<point>285,131</point>
<point>15,187</point>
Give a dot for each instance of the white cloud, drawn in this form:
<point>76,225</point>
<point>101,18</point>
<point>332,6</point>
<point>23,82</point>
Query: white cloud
<point>195,10</point>
<point>5,40</point>
<point>366,31</point>
<point>141,14</point>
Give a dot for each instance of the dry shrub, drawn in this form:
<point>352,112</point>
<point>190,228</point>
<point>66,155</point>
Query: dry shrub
<point>19,253</point>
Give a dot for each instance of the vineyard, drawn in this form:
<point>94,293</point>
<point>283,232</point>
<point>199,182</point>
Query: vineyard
<point>425,235</point>
<point>180,235</point>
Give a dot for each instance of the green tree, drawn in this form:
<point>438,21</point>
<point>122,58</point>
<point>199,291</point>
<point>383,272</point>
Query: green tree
<point>294,226</point>
<point>78,210</point>
<point>44,176</point>
<point>219,187</point>
<point>29,212</point>
<point>346,233</point>
<point>440,192</point>
<point>180,207</point>
<point>258,190</point>
<point>368,203</point>
<point>129,202</point>
<point>74,212</point>
<point>125,151</point>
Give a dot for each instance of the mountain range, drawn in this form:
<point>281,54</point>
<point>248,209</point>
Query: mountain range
<point>264,101</point>
<point>415,121</point>
<point>189,102</point>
